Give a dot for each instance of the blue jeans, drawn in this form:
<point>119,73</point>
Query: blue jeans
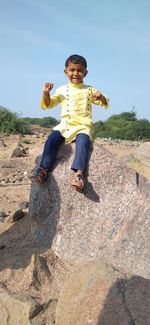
<point>52,145</point>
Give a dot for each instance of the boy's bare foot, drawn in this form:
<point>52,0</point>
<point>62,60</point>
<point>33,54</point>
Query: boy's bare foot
<point>40,176</point>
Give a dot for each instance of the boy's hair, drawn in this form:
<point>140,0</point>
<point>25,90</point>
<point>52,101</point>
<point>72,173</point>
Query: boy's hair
<point>76,59</point>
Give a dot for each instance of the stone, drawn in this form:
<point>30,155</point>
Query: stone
<point>2,144</point>
<point>12,164</point>
<point>15,216</point>
<point>143,153</point>
<point>3,214</point>
<point>17,309</point>
<point>100,294</point>
<point>36,273</point>
<point>17,152</point>
<point>23,205</point>
<point>110,219</point>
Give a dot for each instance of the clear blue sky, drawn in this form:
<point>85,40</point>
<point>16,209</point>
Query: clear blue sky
<point>36,37</point>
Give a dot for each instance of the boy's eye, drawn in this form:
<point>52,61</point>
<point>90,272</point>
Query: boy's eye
<point>72,70</point>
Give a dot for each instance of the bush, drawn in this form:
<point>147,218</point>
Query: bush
<point>124,126</point>
<point>45,122</point>
<point>11,123</point>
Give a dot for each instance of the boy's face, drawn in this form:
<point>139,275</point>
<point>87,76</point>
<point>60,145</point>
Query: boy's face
<point>75,72</point>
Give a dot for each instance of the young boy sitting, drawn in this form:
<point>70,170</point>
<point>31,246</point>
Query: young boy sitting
<point>76,100</point>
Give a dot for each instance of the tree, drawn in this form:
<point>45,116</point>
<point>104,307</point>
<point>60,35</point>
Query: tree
<point>123,126</point>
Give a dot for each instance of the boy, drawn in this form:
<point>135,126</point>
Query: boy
<point>76,99</point>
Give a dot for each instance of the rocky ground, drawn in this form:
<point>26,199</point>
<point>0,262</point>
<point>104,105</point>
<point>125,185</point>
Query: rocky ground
<point>16,167</point>
<point>34,270</point>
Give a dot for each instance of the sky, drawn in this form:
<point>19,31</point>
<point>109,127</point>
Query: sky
<point>37,36</point>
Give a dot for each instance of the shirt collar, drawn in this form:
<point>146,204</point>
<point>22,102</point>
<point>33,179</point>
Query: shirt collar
<point>76,85</point>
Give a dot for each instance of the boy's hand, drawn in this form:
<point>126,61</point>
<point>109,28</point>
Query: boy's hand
<point>99,96</point>
<point>48,87</point>
<point>96,96</point>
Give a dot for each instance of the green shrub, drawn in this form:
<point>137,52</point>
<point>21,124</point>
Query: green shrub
<point>11,123</point>
<point>45,122</point>
<point>124,126</point>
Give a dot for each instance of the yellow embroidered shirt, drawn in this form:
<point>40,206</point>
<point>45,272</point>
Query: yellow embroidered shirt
<point>76,113</point>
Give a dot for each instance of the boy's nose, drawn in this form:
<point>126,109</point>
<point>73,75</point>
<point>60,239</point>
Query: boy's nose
<point>75,73</point>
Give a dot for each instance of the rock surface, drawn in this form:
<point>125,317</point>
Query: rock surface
<point>100,294</point>
<point>17,310</point>
<point>110,219</point>
<point>143,153</point>
<point>92,235</point>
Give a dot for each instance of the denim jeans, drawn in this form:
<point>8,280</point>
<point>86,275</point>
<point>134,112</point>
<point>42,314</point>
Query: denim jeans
<point>52,144</point>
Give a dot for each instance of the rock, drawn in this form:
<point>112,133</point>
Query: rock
<point>17,152</point>
<point>37,273</point>
<point>98,294</point>
<point>15,216</point>
<point>3,182</point>
<point>110,219</point>
<point>12,170</point>
<point>143,153</point>
<point>2,144</point>
<point>26,174</point>
<point>127,158</point>
<point>12,164</point>
<point>17,309</point>
<point>23,205</point>
<point>3,216</point>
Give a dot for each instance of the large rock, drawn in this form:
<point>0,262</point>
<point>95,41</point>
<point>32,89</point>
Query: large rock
<point>110,219</point>
<point>17,310</point>
<point>143,153</point>
<point>98,294</point>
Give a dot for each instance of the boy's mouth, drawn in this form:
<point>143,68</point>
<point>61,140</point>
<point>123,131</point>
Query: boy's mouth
<point>76,79</point>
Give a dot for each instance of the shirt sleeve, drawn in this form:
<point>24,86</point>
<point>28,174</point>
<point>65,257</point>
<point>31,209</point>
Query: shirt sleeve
<point>98,102</point>
<point>55,100</point>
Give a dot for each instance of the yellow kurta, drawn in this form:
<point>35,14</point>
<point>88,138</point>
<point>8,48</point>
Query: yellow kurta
<point>76,112</point>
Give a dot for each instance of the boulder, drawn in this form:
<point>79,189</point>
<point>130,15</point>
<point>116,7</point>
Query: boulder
<point>17,309</point>
<point>143,153</point>
<point>100,294</point>
<point>17,150</point>
<point>110,219</point>
<point>36,273</point>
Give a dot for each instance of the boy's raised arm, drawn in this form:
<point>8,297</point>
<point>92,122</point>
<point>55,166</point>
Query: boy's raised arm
<point>46,93</point>
<point>98,96</point>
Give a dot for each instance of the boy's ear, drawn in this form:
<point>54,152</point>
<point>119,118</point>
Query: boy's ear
<point>86,72</point>
<point>65,71</point>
